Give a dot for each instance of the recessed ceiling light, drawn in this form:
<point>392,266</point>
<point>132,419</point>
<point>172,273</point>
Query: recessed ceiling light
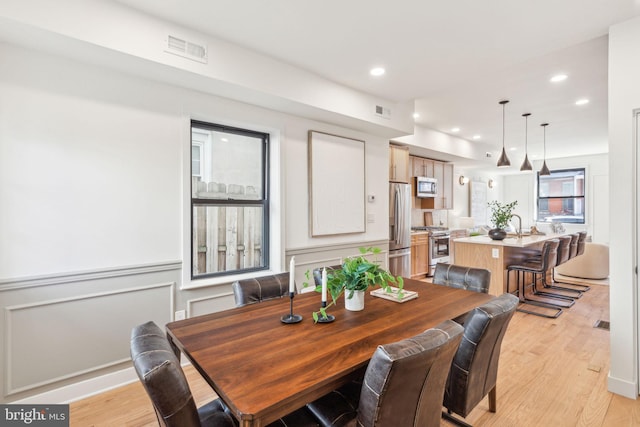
<point>477,137</point>
<point>416,115</point>
<point>455,129</point>
<point>224,140</point>
<point>378,71</point>
<point>582,101</point>
<point>558,78</point>
<point>512,149</point>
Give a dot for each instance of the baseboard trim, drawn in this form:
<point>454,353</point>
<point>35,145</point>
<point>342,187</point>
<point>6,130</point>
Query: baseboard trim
<point>624,388</point>
<point>83,389</point>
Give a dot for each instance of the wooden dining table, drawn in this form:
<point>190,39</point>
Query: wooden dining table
<point>264,369</point>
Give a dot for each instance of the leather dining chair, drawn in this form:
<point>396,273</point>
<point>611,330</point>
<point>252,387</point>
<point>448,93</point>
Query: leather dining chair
<point>468,278</point>
<point>403,385</point>
<point>157,364</point>
<point>474,369</point>
<point>317,273</point>
<point>159,370</point>
<point>251,291</point>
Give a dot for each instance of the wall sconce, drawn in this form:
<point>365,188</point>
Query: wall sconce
<point>463,180</point>
<point>491,183</point>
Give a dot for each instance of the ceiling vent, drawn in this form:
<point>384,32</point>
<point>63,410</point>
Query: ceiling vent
<point>186,49</point>
<point>383,112</point>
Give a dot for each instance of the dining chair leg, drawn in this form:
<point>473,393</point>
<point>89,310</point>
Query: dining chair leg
<point>492,400</point>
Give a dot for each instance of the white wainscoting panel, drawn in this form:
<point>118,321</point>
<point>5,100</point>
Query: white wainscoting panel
<point>51,340</point>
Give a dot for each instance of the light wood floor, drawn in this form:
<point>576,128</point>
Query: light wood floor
<point>553,372</point>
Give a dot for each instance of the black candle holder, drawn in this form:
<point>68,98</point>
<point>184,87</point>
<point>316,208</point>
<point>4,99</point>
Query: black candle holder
<point>290,317</point>
<point>327,318</point>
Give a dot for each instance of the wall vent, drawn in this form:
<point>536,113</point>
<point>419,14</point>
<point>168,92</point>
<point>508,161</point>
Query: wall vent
<point>186,49</point>
<point>383,112</point>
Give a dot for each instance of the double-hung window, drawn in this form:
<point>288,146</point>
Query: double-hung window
<point>229,200</point>
<point>561,196</point>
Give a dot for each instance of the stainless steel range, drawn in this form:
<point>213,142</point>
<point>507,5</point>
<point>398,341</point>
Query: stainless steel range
<point>438,245</point>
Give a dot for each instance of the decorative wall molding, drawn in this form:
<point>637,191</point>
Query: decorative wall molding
<point>199,306</point>
<point>382,244</point>
<point>22,333</point>
<point>82,276</point>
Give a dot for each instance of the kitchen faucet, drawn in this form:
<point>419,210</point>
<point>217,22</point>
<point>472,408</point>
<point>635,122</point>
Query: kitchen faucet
<point>519,225</point>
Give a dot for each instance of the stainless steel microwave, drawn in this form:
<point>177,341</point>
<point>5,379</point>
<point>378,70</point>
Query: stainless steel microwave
<point>426,187</point>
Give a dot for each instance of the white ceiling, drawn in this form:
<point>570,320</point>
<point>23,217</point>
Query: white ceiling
<point>457,59</point>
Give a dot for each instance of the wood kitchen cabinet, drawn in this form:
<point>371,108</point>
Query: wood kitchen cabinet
<point>443,172</point>
<point>398,163</point>
<point>419,255</point>
<point>447,186</point>
<point>421,167</point>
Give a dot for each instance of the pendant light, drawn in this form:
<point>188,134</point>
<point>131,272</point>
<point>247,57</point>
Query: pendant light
<point>526,165</point>
<point>503,161</point>
<point>544,171</point>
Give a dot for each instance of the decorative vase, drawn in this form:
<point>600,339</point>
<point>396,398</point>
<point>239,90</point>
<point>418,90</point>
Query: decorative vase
<point>356,302</point>
<point>497,233</point>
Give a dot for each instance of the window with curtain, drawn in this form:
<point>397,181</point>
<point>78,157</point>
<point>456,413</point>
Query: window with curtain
<point>561,196</point>
<point>229,200</point>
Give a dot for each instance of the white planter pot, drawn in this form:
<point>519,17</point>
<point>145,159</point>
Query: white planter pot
<point>356,302</point>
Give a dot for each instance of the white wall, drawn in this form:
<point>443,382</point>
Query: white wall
<point>624,97</point>
<point>91,171</point>
<point>94,196</point>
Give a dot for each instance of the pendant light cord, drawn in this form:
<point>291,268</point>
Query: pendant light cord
<point>526,120</point>
<point>503,104</point>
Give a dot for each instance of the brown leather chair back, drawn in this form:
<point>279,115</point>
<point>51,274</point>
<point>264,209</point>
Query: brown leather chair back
<point>574,245</point>
<point>549,254</point>
<point>582,239</point>
<point>564,249</point>
<point>404,381</point>
<point>474,369</point>
<point>317,273</point>
<point>251,291</point>
<point>159,370</point>
<point>455,276</point>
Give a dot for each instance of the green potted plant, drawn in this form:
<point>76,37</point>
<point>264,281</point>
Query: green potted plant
<point>356,276</point>
<point>501,214</point>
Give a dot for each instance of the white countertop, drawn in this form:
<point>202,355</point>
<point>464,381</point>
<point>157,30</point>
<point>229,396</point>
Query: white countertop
<point>512,241</point>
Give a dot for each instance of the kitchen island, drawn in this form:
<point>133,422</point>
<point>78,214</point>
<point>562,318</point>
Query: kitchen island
<point>496,255</point>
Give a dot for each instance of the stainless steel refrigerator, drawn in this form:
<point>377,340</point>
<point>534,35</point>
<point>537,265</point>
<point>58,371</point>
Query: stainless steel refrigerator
<point>400,229</point>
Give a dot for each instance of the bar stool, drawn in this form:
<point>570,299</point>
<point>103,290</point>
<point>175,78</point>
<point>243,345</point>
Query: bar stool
<point>536,267</point>
<point>564,254</point>
<point>579,250</point>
